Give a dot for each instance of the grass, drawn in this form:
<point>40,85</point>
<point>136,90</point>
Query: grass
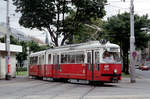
<point>125,75</point>
<point>21,73</point>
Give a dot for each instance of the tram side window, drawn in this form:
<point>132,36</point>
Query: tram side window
<point>49,59</point>
<point>63,58</point>
<point>33,60</point>
<point>71,58</point>
<point>89,57</point>
<point>41,60</point>
<point>80,58</point>
<point>97,57</point>
<point>55,59</point>
<point>68,58</point>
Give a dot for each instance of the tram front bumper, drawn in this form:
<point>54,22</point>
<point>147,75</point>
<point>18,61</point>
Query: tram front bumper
<point>112,75</point>
<point>114,78</point>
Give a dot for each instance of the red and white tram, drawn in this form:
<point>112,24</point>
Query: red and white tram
<point>91,61</point>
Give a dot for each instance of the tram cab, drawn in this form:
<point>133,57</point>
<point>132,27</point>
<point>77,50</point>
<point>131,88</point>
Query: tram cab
<point>104,63</point>
<point>111,63</point>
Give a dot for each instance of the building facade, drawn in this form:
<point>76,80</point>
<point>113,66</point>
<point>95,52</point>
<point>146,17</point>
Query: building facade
<point>3,56</point>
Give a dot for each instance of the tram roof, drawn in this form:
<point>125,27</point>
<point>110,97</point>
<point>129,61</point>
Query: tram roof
<point>108,44</point>
<point>37,53</point>
<point>83,46</point>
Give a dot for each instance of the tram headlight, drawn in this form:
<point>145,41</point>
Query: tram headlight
<point>115,71</point>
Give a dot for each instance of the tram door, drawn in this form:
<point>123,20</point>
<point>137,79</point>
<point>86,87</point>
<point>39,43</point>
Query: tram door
<point>93,69</point>
<point>96,65</point>
<point>89,65</point>
<point>55,65</point>
<point>41,65</point>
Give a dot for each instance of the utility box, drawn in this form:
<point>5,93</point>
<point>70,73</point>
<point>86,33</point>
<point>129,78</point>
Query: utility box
<point>3,56</point>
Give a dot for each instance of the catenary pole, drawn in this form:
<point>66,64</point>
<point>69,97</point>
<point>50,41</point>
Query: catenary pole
<point>8,76</point>
<point>132,46</point>
<point>28,61</point>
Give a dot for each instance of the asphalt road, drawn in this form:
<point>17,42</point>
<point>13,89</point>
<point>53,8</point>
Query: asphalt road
<point>25,88</point>
<point>143,74</point>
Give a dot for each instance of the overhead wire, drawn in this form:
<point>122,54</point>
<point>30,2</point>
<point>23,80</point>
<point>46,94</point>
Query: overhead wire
<point>125,1</point>
<point>117,6</point>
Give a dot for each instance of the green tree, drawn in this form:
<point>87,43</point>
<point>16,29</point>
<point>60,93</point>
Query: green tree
<point>23,55</point>
<point>34,47</point>
<point>12,40</point>
<point>2,40</point>
<point>87,32</point>
<point>117,30</point>
<point>87,9</point>
<point>82,31</point>
<point>50,15</point>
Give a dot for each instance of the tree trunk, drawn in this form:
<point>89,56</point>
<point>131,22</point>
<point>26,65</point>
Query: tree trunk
<point>125,62</point>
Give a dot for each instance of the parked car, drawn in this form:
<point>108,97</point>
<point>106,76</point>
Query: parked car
<point>144,67</point>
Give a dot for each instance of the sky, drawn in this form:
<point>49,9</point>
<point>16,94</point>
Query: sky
<point>14,18</point>
<point>113,7</point>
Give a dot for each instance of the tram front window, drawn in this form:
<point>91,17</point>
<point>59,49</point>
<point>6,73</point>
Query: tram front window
<point>111,57</point>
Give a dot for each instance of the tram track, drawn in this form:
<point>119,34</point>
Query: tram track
<point>86,93</point>
<point>15,83</point>
<point>51,89</point>
<point>52,85</point>
<point>74,86</point>
<point>26,88</point>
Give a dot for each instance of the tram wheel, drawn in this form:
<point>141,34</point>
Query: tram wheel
<point>96,83</point>
<point>101,83</point>
<point>40,78</point>
<point>56,80</point>
<point>91,82</point>
<point>65,80</point>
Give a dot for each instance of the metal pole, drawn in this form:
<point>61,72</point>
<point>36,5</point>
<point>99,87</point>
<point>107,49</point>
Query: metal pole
<point>132,46</point>
<point>8,75</point>
<point>28,59</point>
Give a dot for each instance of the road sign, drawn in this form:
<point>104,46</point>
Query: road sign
<point>134,54</point>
